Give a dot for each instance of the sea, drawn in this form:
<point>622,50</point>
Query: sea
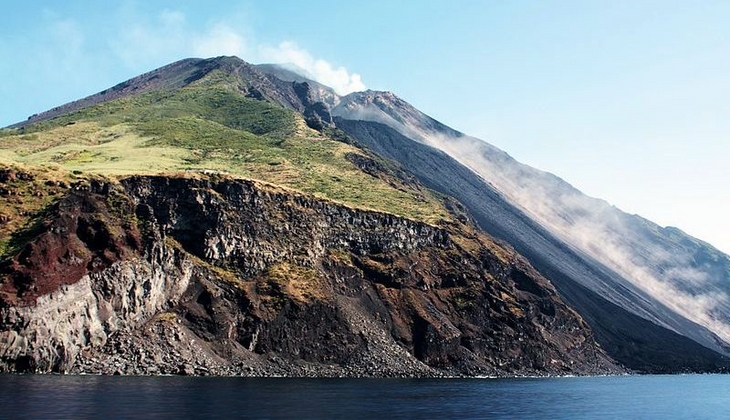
<point>119,397</point>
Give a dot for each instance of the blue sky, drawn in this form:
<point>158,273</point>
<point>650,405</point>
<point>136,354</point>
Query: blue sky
<point>626,100</point>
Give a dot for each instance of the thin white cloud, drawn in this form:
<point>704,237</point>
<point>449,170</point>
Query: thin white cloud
<point>69,31</point>
<point>150,42</point>
<point>221,39</point>
<point>143,43</point>
<point>167,37</point>
<point>338,78</point>
<point>172,18</point>
<point>63,57</point>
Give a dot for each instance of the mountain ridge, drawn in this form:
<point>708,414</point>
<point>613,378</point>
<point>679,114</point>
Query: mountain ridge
<point>558,262</point>
<point>553,203</point>
<point>315,115</point>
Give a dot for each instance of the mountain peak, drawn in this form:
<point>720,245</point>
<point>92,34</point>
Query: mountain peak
<point>172,76</point>
<point>287,72</point>
<point>240,75</point>
<point>371,95</point>
<point>228,64</point>
<point>387,108</point>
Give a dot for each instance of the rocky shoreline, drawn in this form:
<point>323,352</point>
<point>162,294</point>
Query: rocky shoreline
<point>207,275</point>
<point>128,355</point>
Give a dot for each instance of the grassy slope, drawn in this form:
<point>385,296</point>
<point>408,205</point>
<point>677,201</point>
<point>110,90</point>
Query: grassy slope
<point>23,198</point>
<point>209,125</point>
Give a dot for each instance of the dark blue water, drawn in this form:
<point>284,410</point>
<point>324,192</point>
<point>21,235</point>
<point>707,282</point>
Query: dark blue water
<point>631,397</point>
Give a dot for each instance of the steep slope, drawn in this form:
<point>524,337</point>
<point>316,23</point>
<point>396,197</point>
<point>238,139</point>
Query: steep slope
<point>635,342</point>
<point>676,271</point>
<point>292,74</point>
<point>129,242</point>
<point>268,124</point>
<point>241,76</point>
<point>222,120</point>
<point>209,274</point>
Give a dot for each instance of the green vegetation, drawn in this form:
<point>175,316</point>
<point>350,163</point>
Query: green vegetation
<point>340,256</point>
<point>302,284</point>
<point>209,125</point>
<point>27,197</point>
<point>12,243</point>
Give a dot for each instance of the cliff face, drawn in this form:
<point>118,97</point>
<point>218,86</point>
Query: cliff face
<point>652,281</point>
<point>207,274</point>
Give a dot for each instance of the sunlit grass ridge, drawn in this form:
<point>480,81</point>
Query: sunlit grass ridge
<point>210,125</point>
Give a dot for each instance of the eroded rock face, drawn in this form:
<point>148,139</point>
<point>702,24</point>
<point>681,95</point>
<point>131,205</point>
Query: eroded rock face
<point>209,275</point>
<point>84,233</point>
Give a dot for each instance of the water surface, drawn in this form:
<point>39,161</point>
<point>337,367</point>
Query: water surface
<point>626,397</point>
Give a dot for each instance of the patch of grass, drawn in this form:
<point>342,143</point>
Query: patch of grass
<point>4,245</point>
<point>231,109</point>
<point>32,228</point>
<point>340,256</point>
<point>170,317</point>
<point>82,133</point>
<point>210,125</point>
<point>195,133</point>
<point>464,299</point>
<point>26,200</point>
<point>122,151</point>
<point>8,132</point>
<point>302,284</point>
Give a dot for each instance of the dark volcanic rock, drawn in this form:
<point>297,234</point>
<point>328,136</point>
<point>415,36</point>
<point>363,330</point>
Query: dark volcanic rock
<point>633,341</point>
<point>73,238</point>
<point>250,81</point>
<point>209,275</point>
<point>316,114</point>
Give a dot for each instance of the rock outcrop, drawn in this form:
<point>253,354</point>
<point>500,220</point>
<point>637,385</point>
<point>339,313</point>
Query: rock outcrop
<point>204,274</point>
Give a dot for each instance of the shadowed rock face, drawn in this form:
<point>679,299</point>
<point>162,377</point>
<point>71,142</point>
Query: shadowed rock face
<point>659,274</point>
<point>214,275</point>
<point>634,341</point>
<point>75,237</point>
<point>300,94</point>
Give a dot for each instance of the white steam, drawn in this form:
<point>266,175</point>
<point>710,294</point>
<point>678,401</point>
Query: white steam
<point>635,248</point>
<point>168,37</point>
<point>221,39</point>
<point>632,248</point>
<point>338,78</point>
